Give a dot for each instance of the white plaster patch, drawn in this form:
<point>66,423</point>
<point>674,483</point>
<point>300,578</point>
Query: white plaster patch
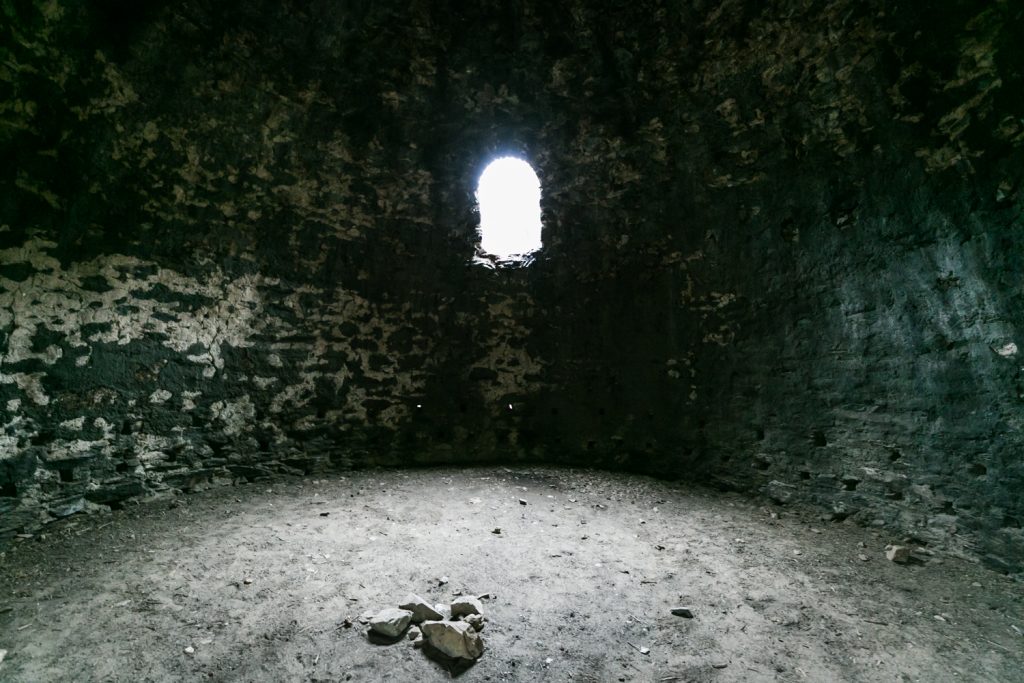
<point>1007,350</point>
<point>76,424</point>
<point>8,447</point>
<point>236,415</point>
<point>187,402</point>
<point>30,384</point>
<point>160,396</point>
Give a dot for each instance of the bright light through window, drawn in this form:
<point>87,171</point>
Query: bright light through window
<point>509,197</point>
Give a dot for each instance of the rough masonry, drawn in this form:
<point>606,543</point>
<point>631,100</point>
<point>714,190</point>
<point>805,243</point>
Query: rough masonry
<point>782,249</point>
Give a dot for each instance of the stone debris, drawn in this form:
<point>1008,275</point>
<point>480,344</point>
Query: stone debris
<point>476,621</point>
<point>421,609</point>
<point>899,554</point>
<point>466,605</point>
<point>190,650</point>
<point>390,622</point>
<point>779,491</point>
<point>456,639</point>
<point>3,654</point>
<point>522,501</point>
<point>685,612</point>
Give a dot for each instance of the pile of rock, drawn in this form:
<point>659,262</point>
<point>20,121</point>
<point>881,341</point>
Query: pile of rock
<point>456,636</point>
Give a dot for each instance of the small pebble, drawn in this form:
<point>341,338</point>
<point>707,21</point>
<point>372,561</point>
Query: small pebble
<point>190,650</point>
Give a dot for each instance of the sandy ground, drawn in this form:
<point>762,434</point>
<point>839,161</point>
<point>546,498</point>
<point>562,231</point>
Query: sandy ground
<point>583,577</point>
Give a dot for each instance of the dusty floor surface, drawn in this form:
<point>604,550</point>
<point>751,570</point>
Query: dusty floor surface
<point>584,575</point>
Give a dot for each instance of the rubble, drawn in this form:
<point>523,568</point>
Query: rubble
<point>421,609</point>
<point>454,638</point>
<point>466,605</point>
<point>390,622</point>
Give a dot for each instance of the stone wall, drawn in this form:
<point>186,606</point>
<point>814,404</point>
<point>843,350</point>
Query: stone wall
<point>782,249</point>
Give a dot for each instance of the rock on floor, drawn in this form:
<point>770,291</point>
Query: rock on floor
<point>466,605</point>
<point>421,609</point>
<point>390,622</point>
<point>898,553</point>
<point>454,638</point>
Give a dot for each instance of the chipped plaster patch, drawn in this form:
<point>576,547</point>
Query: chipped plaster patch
<point>237,416</point>
<point>160,396</point>
<point>1007,350</point>
<point>75,424</point>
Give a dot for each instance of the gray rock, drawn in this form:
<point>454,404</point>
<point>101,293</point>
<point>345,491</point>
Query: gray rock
<point>414,633</point>
<point>68,508</point>
<point>685,612</point>
<point>421,609</point>
<point>898,553</point>
<point>466,605</point>
<point>454,638</point>
<point>476,621</point>
<point>390,622</point>
<point>780,491</point>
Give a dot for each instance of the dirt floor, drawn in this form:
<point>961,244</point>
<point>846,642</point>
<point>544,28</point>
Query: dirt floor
<point>259,579</point>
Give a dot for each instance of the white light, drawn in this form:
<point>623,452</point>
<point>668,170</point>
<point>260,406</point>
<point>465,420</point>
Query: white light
<point>509,197</point>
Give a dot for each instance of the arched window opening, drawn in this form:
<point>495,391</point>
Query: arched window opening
<point>509,197</point>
